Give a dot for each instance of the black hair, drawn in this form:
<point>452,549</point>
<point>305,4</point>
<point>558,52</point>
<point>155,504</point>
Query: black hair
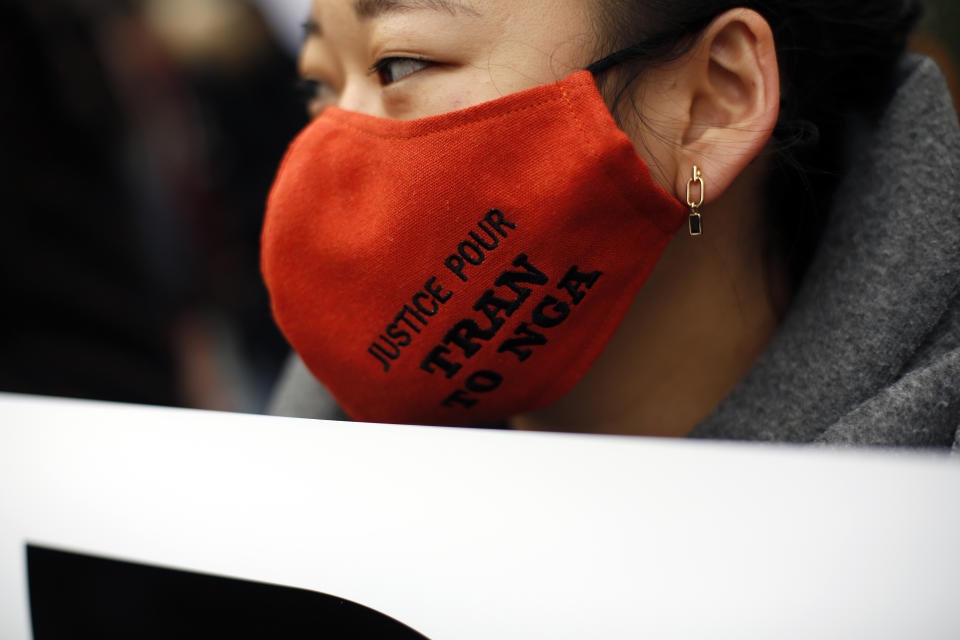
<point>837,59</point>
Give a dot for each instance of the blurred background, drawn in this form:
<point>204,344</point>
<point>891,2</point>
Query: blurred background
<point>138,141</point>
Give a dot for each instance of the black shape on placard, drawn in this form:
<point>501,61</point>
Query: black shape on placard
<point>81,596</point>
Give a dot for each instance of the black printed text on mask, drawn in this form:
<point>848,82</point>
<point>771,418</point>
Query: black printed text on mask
<point>511,291</point>
<point>415,315</point>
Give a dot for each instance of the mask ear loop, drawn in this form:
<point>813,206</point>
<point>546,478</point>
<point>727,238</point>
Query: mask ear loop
<point>696,220</point>
<point>613,60</point>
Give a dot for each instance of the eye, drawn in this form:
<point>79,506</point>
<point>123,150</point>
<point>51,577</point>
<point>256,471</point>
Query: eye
<point>316,94</point>
<point>390,70</point>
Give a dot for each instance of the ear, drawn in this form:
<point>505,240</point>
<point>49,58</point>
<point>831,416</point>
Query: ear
<point>730,94</point>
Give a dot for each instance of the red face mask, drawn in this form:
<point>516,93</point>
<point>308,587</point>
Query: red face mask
<point>464,268</point>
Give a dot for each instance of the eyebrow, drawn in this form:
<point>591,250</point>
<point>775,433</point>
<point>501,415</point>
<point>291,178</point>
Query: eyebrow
<point>369,9</point>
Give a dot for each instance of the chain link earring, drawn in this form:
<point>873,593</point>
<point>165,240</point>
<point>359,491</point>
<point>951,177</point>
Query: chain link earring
<point>696,220</point>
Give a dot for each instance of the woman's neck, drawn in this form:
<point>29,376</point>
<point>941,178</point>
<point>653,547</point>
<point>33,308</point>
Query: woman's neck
<point>695,329</point>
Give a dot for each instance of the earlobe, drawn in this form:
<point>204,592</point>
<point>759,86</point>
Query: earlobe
<point>733,99</point>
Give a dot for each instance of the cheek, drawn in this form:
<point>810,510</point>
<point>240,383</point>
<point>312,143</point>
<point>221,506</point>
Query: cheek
<point>464,99</point>
<point>436,97</point>
<point>456,101</point>
<point>653,142</point>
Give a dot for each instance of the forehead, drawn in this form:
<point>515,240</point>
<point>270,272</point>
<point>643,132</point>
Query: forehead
<point>545,11</point>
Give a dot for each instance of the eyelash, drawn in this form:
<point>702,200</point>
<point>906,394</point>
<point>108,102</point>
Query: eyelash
<point>382,68</point>
<point>310,28</point>
<point>314,92</point>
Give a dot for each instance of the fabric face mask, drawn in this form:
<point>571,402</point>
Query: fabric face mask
<point>463,268</point>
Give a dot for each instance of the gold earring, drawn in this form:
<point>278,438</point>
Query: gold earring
<point>696,220</point>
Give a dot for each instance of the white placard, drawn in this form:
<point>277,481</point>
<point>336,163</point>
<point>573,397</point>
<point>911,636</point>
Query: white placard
<point>479,534</point>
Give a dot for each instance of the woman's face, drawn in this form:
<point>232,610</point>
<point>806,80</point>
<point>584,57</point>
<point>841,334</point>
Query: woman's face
<point>406,59</point>
<point>715,108</point>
